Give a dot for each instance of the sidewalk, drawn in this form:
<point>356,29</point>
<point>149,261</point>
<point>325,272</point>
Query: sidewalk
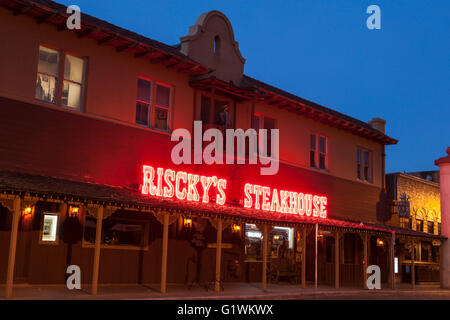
<point>232,291</point>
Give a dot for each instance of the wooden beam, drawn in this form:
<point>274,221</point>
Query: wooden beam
<point>87,31</point>
<point>337,237</point>
<point>391,262</point>
<point>175,64</point>
<point>304,258</point>
<point>218,256</point>
<point>264,264</point>
<point>143,53</point>
<point>46,17</point>
<point>107,39</point>
<point>365,262</point>
<point>98,243</point>
<point>127,46</point>
<point>413,264</point>
<point>159,59</point>
<point>12,247</point>
<point>23,9</point>
<point>315,255</point>
<point>165,242</point>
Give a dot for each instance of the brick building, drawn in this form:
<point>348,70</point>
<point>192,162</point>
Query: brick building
<point>422,193</point>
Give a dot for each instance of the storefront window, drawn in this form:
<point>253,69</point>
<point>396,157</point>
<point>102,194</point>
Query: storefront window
<point>253,242</point>
<point>116,232</point>
<point>49,227</point>
<point>282,242</point>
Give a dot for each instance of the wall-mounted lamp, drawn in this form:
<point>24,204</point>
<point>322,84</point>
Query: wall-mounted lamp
<point>74,211</point>
<point>27,211</point>
<point>235,228</point>
<point>380,242</point>
<point>187,223</point>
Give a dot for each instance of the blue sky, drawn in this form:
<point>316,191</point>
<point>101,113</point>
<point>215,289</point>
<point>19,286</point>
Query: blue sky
<point>322,50</point>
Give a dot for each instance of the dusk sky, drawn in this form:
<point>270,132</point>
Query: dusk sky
<point>321,50</point>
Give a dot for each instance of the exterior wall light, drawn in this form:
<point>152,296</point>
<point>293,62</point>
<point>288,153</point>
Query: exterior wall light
<point>74,211</point>
<point>236,228</point>
<point>380,242</point>
<point>27,211</point>
<point>187,223</point>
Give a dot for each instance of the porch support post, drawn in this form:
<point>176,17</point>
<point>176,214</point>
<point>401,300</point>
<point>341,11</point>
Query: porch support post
<point>12,247</point>
<point>337,237</point>
<point>218,255</point>
<point>365,262</point>
<point>98,240</point>
<point>165,242</point>
<point>316,253</point>
<point>413,269</point>
<point>304,258</point>
<point>264,266</point>
<point>391,264</point>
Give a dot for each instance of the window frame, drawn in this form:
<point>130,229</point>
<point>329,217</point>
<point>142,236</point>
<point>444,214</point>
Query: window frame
<point>362,165</point>
<point>144,247</point>
<point>317,152</point>
<point>262,117</point>
<point>41,229</point>
<point>60,77</point>
<point>152,105</point>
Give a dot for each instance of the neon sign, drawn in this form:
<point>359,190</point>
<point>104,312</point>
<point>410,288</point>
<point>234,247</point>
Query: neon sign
<point>168,183</point>
<point>267,199</point>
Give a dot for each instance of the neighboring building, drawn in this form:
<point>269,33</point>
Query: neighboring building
<point>86,115</point>
<point>422,195</point>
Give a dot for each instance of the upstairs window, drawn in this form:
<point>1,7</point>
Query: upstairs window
<point>364,165</point>
<point>419,225</point>
<point>261,121</point>
<point>60,78</point>
<point>153,104</point>
<point>430,227</point>
<point>318,157</point>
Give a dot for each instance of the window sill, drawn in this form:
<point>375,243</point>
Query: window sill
<point>320,170</point>
<point>365,181</point>
<point>55,105</point>
<point>143,126</point>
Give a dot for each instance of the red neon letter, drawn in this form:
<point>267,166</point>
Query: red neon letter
<point>180,176</point>
<point>192,194</point>
<point>275,206</point>
<point>169,177</point>
<point>323,205</point>
<point>301,204</point>
<point>159,189</point>
<point>257,191</point>
<point>316,203</point>
<point>221,186</point>
<point>206,184</point>
<point>248,198</point>
<point>265,198</point>
<point>149,175</point>
<point>284,206</point>
<point>308,204</point>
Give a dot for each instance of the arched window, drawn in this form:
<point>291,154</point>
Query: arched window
<point>217,45</point>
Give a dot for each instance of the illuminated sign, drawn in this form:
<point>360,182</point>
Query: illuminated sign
<point>169,183</point>
<point>267,199</point>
